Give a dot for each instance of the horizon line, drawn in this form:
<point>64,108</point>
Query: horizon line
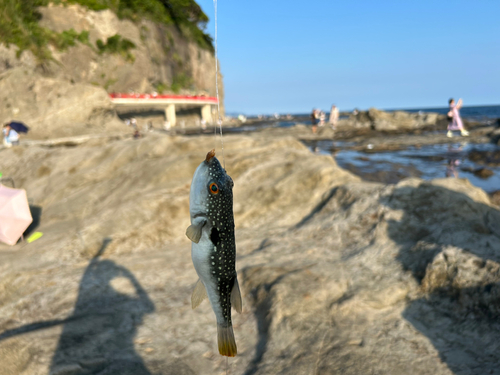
<point>359,109</point>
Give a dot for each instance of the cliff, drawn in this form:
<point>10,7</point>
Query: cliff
<point>59,84</point>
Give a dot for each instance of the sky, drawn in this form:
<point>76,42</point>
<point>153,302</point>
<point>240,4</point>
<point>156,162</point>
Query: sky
<point>290,56</point>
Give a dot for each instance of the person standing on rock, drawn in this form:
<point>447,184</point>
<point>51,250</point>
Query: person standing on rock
<point>314,120</point>
<point>334,116</point>
<point>322,118</point>
<point>454,120</point>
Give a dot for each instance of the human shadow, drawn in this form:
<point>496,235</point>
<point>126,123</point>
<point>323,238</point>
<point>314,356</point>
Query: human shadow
<point>451,245</point>
<point>98,337</point>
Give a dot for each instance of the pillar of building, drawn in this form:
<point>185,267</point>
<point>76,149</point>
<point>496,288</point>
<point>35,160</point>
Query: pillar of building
<point>170,114</point>
<point>206,113</point>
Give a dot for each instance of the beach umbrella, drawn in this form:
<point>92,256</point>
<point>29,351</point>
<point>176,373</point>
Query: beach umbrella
<point>15,215</point>
<point>19,127</point>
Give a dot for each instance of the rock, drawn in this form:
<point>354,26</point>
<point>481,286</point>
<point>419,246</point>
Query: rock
<point>54,107</point>
<point>391,121</point>
<point>335,272</point>
<point>153,62</point>
<point>10,60</point>
<point>472,281</point>
<point>495,197</point>
<point>495,135</point>
<point>491,158</point>
<point>483,173</point>
<point>71,369</point>
<point>385,121</point>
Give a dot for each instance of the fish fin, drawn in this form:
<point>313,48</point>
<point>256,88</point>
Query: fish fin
<point>199,294</point>
<point>225,339</point>
<point>236,297</point>
<point>193,232</point>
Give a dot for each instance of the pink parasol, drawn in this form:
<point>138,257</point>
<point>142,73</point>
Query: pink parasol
<point>15,215</point>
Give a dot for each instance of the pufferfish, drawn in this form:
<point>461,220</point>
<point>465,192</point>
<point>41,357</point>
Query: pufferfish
<point>213,248</point>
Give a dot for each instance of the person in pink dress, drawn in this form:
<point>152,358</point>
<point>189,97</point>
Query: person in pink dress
<point>454,120</point>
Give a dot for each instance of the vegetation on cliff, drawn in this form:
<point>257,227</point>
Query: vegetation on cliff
<point>187,15</point>
<point>19,21</point>
<point>117,44</point>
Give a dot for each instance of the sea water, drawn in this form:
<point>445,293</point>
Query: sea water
<point>426,162</point>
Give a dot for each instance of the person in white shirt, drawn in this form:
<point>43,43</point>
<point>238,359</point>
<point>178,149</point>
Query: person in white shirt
<point>10,136</point>
<point>334,116</point>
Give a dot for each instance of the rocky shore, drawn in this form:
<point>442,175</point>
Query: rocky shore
<point>337,275</point>
<point>376,119</point>
<point>384,130</point>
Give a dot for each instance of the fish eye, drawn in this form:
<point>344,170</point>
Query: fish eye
<point>214,189</point>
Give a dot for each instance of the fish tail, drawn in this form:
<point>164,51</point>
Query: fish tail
<point>226,341</point>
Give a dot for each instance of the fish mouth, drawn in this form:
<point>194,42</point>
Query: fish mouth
<point>210,155</point>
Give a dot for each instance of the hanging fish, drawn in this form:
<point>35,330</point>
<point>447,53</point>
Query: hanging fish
<point>213,248</point>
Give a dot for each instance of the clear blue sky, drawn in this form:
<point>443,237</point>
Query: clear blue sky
<point>290,56</point>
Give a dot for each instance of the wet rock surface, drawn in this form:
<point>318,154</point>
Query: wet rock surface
<point>491,158</point>
<point>337,275</point>
<point>495,135</point>
<point>428,161</point>
<point>483,173</point>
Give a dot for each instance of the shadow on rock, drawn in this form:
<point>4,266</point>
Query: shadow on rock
<point>451,244</point>
<point>36,214</point>
<point>261,281</point>
<point>98,338</point>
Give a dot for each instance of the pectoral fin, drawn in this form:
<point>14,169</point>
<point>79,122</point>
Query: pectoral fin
<point>199,294</point>
<point>236,297</point>
<point>193,232</point>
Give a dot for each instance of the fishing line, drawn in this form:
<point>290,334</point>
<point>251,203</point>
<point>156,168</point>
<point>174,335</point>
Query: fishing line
<point>218,110</point>
<point>219,121</point>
